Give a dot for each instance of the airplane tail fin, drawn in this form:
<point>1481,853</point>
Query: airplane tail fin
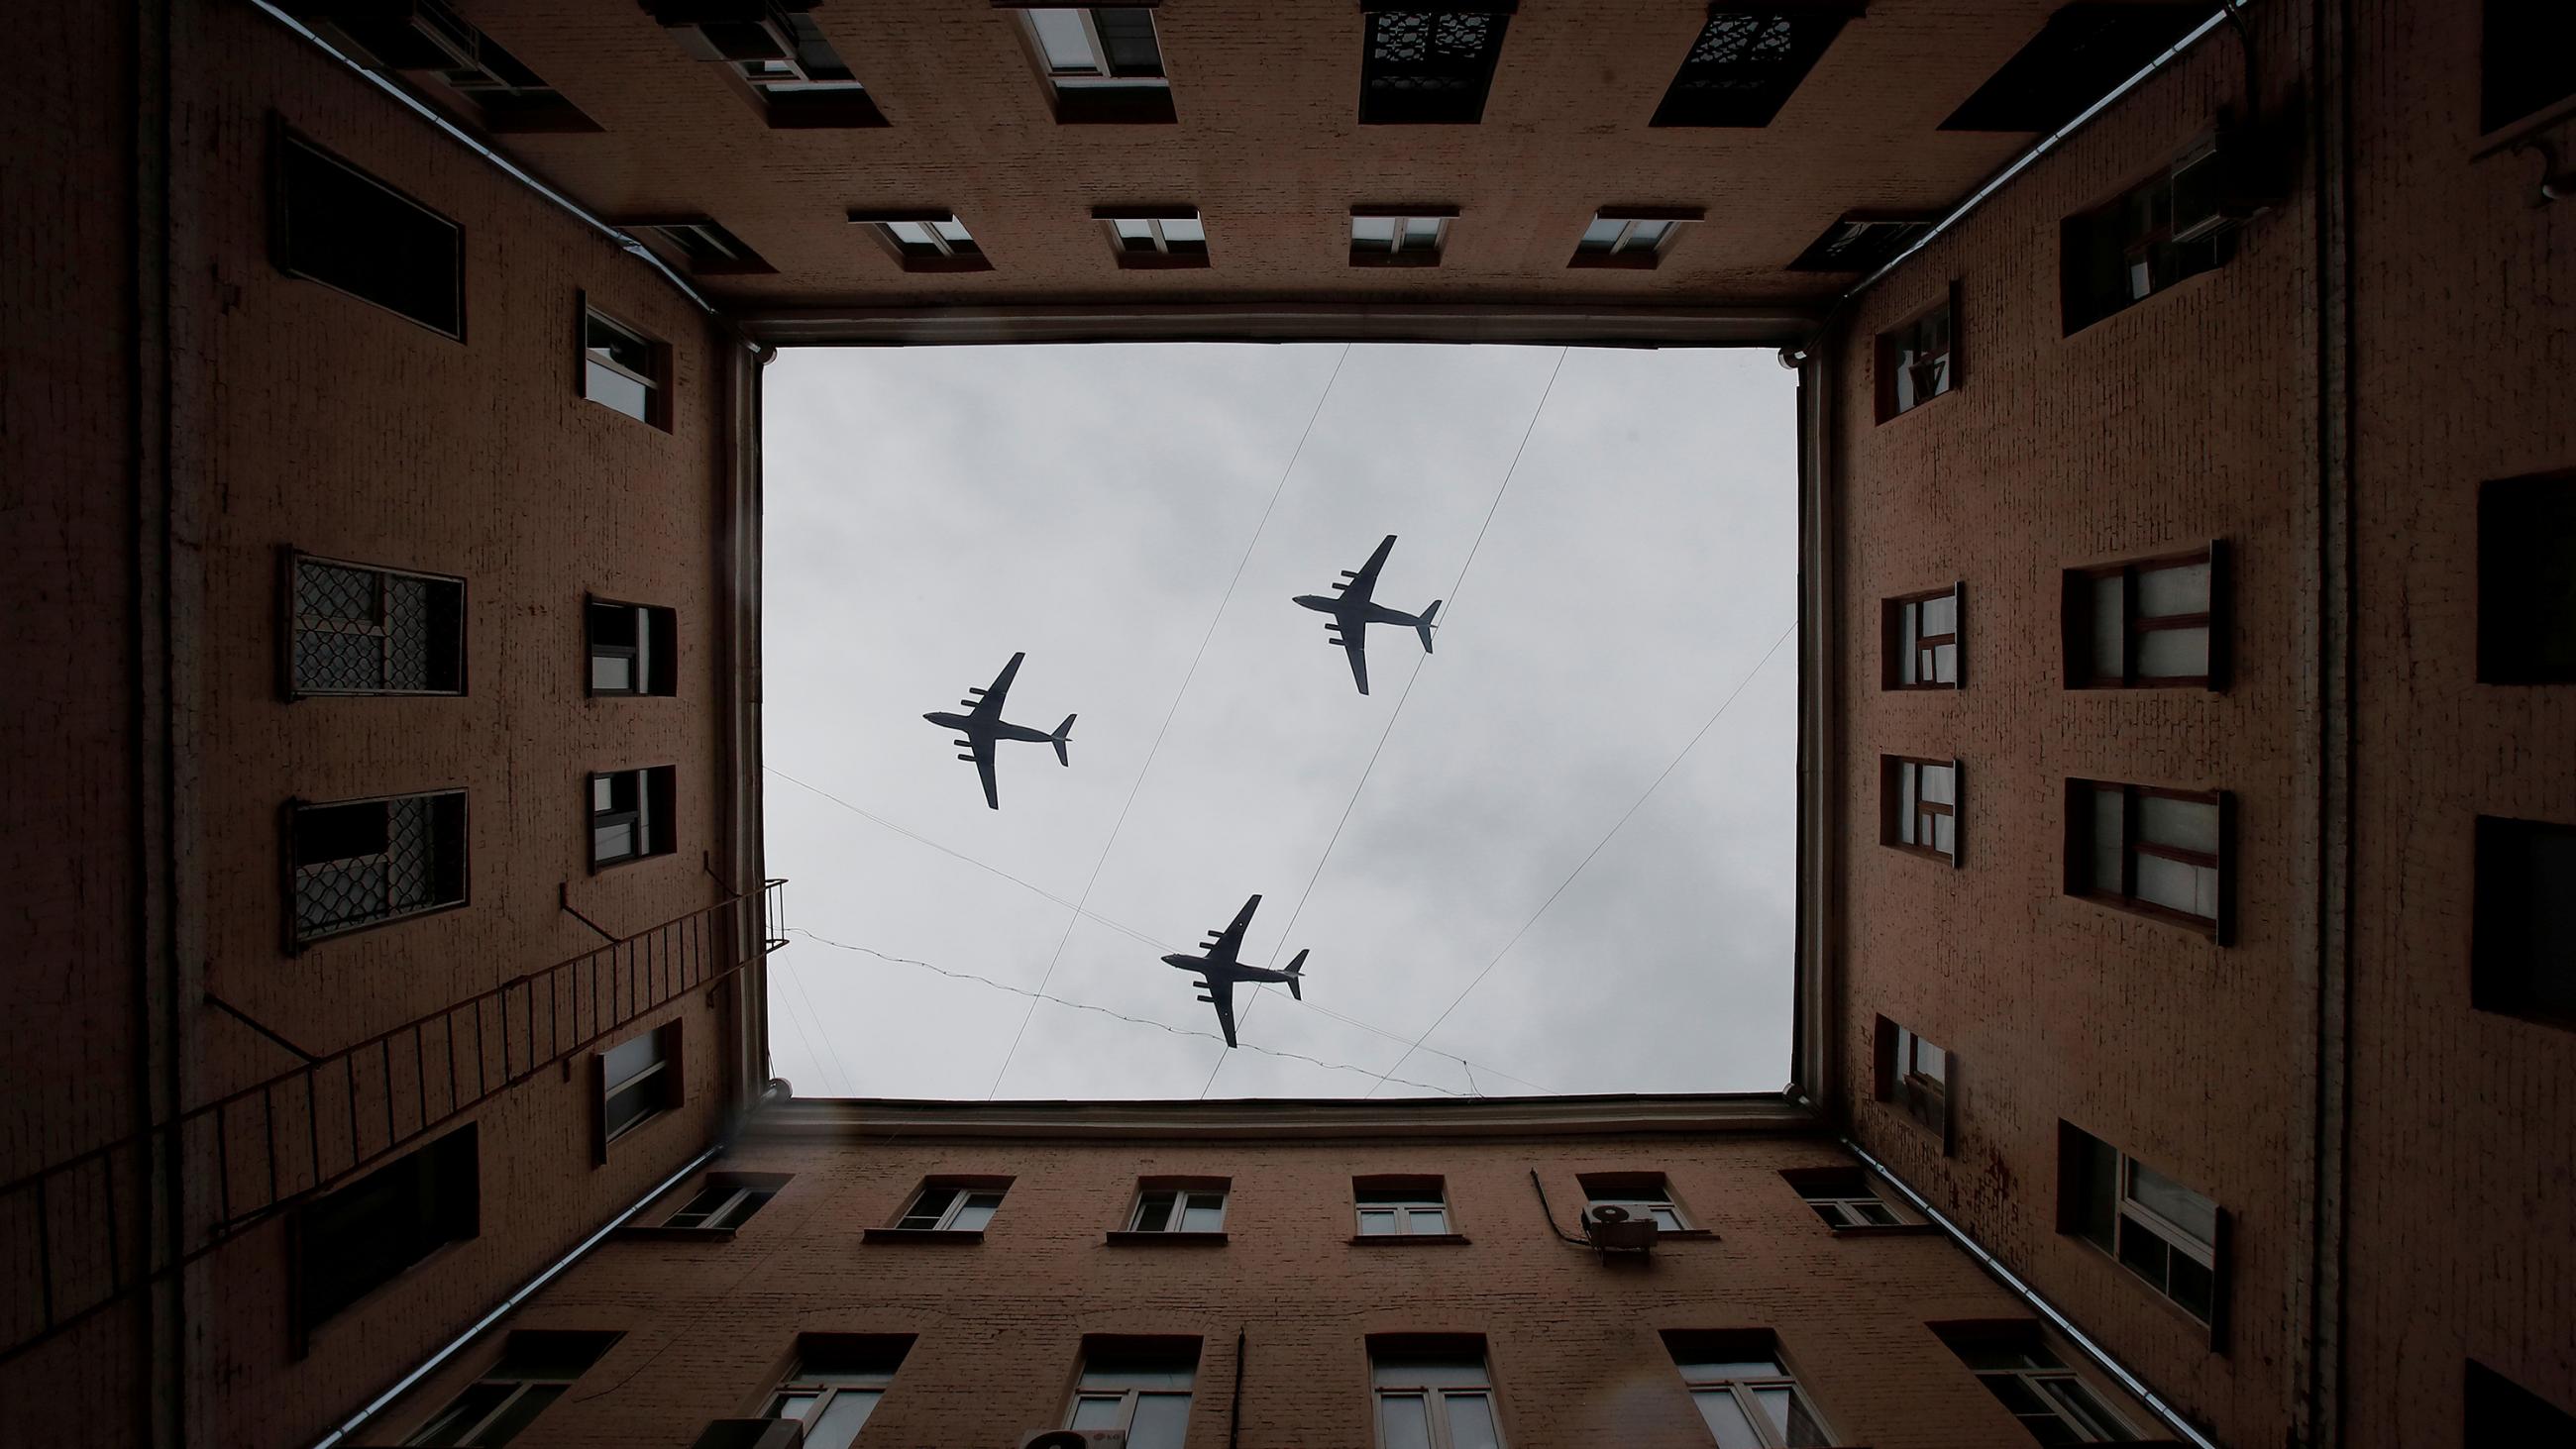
<point>1062,733</point>
<point>1294,967</point>
<point>1422,625</point>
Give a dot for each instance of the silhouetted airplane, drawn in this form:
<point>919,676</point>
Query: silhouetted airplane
<point>1218,970</point>
<point>1353,612</point>
<point>983,725</point>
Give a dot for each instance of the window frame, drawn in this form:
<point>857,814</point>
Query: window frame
<point>297,940</point>
<point>293,624</point>
<point>1895,772</point>
<point>1741,1388</point>
<point>1391,1354</point>
<point>1397,253</point>
<point>1097,96</point>
<point>733,257</point>
<point>1160,255</point>
<point>1623,250</point>
<point>745,1194</point>
<point>963,1190</point>
<point>824,1366</point>
<point>1183,1193</point>
<point>665,1079</point>
<point>657,385</point>
<point>449,1211</point>
<point>1391,108</point>
<point>1899,618</point>
<point>1403,1197</point>
<point>1646,1195</point>
<point>2090,292</point>
<point>379,43</point>
<point>656,650</point>
<point>1891,357</point>
<point>793,102</point>
<point>2513,516</point>
<point>1754,100</point>
<point>1928,1101</point>
<point>2080,864</point>
<point>947,254</point>
<point>2507,892</point>
<point>1880,237</point>
<point>2076,1211</point>
<point>284,138</point>
<point>653,816</point>
<point>1835,1195</point>
<point>2076,621</point>
<point>2063,1392</point>
<point>2526,117</point>
<point>521,1382</point>
<point>1114,1356</point>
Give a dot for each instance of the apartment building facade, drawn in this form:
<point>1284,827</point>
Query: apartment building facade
<point>2183,645</point>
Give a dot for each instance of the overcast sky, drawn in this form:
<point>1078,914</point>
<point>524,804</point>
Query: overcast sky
<point>931,510</point>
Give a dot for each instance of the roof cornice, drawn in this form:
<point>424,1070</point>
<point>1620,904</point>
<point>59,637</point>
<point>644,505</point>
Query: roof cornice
<point>1313,1119</point>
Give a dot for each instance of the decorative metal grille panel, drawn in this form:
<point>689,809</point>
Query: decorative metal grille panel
<point>1427,65</point>
<point>1745,66</point>
<point>372,631</point>
<point>416,871</point>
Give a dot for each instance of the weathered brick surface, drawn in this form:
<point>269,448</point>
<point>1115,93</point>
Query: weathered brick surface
<point>1573,1340</point>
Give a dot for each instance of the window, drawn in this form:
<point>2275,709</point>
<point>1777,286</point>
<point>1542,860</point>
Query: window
<point>2158,852</point>
<point>426,38</point>
<point>1640,1195</point>
<point>1155,236</point>
<point>726,1200</point>
<point>1102,62</point>
<point>1401,1207</point>
<point>638,1079</point>
<point>943,1208</point>
<point>1919,639</point>
<point>2527,580</point>
<point>1631,236</point>
<point>1747,1399</point>
<point>1433,1393</point>
<point>1429,67</point>
<point>1193,1208</point>
<point>623,369</point>
<point>1914,1077</point>
<point>2158,1229</point>
<point>351,1241</point>
<point>928,239</point>
<point>2018,1368</point>
<point>1399,236</point>
<point>1922,804</point>
<point>1860,243</point>
<point>1141,1385</point>
<point>630,815</point>
<point>2522,951</point>
<point>359,863</point>
<point>358,629</point>
<point>336,225</point>
<point>1918,361</point>
<point>837,1381</point>
<point>1747,63</point>
<point>2077,57</point>
<point>705,247</point>
<point>536,1366</point>
<point>634,648</point>
<point>2498,1411</point>
<point>2523,60</point>
<point>2119,254</point>
<point>1842,1197</point>
<point>2155,623</point>
<point>781,59</point>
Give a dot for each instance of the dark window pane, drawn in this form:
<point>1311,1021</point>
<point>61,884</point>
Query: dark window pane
<point>1128,35</point>
<point>326,833</point>
<point>531,1402</point>
<point>2527,580</point>
<point>2078,56</point>
<point>2502,1413</point>
<point>345,229</point>
<point>1427,66</point>
<point>1745,65</point>
<point>2525,59</point>
<point>2523,941</point>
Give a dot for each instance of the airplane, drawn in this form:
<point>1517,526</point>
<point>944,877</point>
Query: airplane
<point>1218,970</point>
<point>1354,611</point>
<point>983,725</point>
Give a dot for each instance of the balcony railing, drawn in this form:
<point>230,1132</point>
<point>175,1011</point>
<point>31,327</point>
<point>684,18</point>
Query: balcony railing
<point>76,1231</point>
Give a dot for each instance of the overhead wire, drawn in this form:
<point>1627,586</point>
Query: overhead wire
<point>1455,588</point>
<point>1660,777</point>
<point>797,978</point>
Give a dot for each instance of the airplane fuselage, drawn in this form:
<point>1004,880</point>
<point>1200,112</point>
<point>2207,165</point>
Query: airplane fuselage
<point>971,727</point>
<point>1347,613</point>
<point>1230,970</point>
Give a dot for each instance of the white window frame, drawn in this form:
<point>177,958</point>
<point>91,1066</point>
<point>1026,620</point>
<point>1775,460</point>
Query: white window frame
<point>793,76</point>
<point>643,1078</point>
<point>1155,232</point>
<point>2059,1390</point>
<point>655,401</point>
<point>1400,244</point>
<point>1403,1210</point>
<point>2177,1239</point>
<point>1626,243</point>
<point>1661,1209</point>
<point>1128,1398</point>
<point>1851,1210</point>
<point>963,244</point>
<point>740,1201</point>
<point>1096,76</point>
<point>639,657</point>
<point>1182,1200</point>
<point>1914,1091</point>
<point>1435,1394</point>
<point>1740,1390</point>
<point>944,1221</point>
<point>825,1388</point>
<point>639,819</point>
<point>521,1385</point>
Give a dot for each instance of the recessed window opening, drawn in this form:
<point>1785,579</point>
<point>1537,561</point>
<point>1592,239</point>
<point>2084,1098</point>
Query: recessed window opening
<point>1151,238</point>
<point>1920,640</point>
<point>725,1200</point>
<point>1434,1392</point>
<point>1179,1210</point>
<point>624,370</point>
<point>1631,236</point>
<point>1843,1198</point>
<point>1746,63</point>
<point>2015,1363</point>
<point>1914,1076</point>
<point>639,1078</point>
<point>1402,1209</point>
<point>1743,1392</point>
<point>358,1238</point>
<point>1922,803</point>
<point>362,863</point>
<point>630,815</point>
<point>537,1367</point>
<point>1399,237</point>
<point>337,225</point>
<point>1429,67</point>
<point>1918,361</point>
<point>2157,623</point>
<point>361,629</point>
<point>634,648</point>
<point>837,1383</point>
<point>2527,580</point>
<point>2154,851</point>
<point>2522,952</point>
<point>706,247</point>
<point>1140,1386</point>
<point>940,1208</point>
<point>926,240</point>
<point>2158,1229</point>
<point>429,40</point>
<point>782,62</point>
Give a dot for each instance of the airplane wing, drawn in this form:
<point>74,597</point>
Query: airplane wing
<point>1355,644</point>
<point>990,702</point>
<point>984,767</point>
<point>1365,581</point>
<point>1228,945</point>
<point>1220,990</point>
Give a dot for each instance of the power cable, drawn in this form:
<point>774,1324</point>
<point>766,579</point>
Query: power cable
<point>1147,768</point>
<point>1660,777</point>
<point>799,1024</point>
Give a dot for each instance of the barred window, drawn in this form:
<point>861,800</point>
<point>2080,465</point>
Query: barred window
<point>1429,67</point>
<point>1747,63</point>
<point>359,629</point>
<point>360,863</point>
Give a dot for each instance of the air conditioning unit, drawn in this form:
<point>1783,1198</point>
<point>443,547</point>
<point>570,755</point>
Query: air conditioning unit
<point>2217,183</point>
<point>1615,1231</point>
<point>1074,1439</point>
<point>751,1434</point>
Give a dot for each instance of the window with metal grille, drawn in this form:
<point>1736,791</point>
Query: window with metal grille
<point>1920,639</point>
<point>2025,1375</point>
<point>1919,361</point>
<point>1429,67</point>
<point>783,61</point>
<point>536,1367</point>
<point>706,247</point>
<point>725,1200</point>
<point>2160,1230</point>
<point>1842,1197</point>
<point>638,1079</point>
<point>2076,59</point>
<point>1401,1207</point>
<point>2130,248</point>
<point>339,226</point>
<point>925,239</point>
<point>1913,1075</point>
<point>630,815</point>
<point>2522,940</point>
<point>1139,1385</point>
<point>1196,1208</point>
<point>1921,804</point>
<point>1641,1195</point>
<point>1746,63</point>
<point>2527,580</point>
<point>427,39</point>
<point>634,648</point>
<point>360,863</point>
<point>1399,236</point>
<point>948,1207</point>
<point>2160,853</point>
<point>1103,63</point>
<point>1433,1392</point>
<point>362,629</point>
<point>1631,236</point>
<point>355,1239</point>
<point>1744,1393</point>
<point>1858,243</point>
<point>1155,236</point>
<point>837,1383</point>
<point>2153,623</point>
<point>624,370</point>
